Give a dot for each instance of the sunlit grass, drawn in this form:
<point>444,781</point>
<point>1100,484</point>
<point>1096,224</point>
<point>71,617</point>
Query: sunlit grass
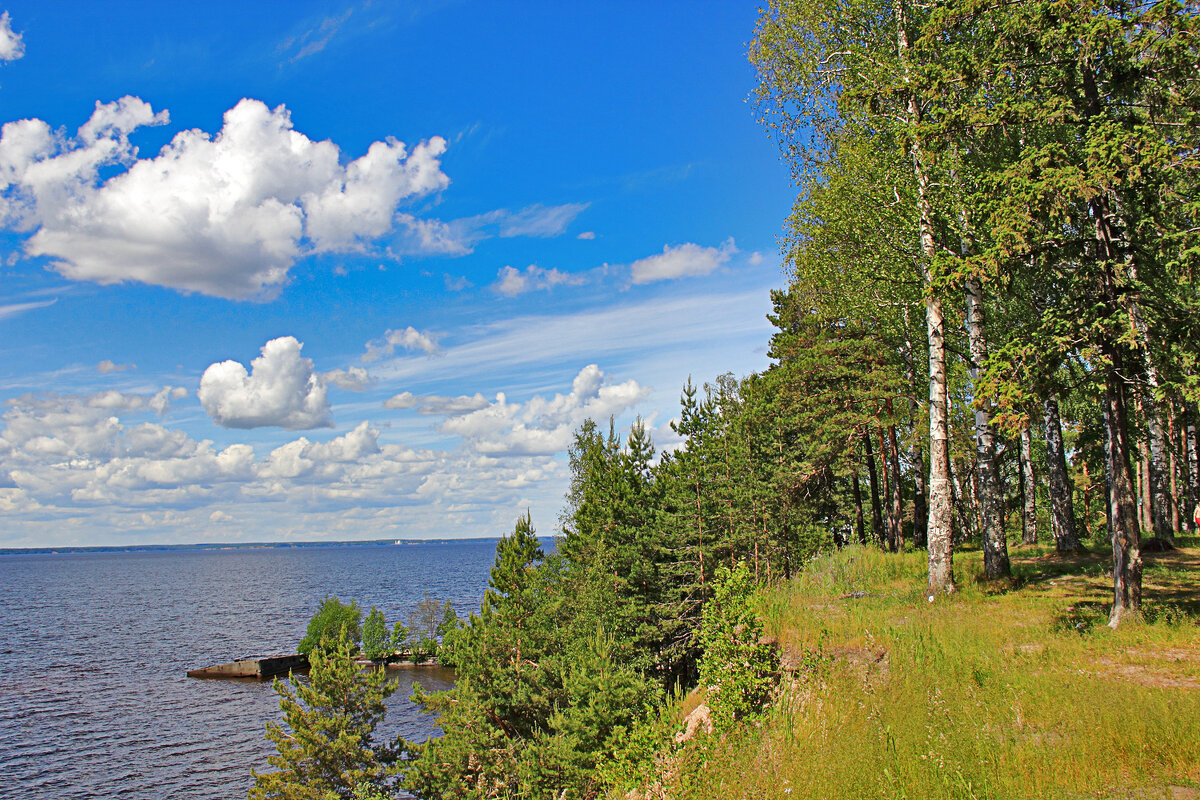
<point>1009,690</point>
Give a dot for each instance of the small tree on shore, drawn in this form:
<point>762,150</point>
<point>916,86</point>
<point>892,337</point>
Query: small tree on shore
<point>326,747</point>
<point>333,619</point>
<point>376,641</point>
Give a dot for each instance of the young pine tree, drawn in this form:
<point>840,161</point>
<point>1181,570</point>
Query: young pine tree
<point>326,746</point>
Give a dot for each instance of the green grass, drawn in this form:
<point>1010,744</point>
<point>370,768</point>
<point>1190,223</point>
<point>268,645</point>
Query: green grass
<point>1011,690</point>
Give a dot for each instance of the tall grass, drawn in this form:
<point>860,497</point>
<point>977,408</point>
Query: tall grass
<point>1009,691</point>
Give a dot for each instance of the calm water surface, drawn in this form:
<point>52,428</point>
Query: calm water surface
<point>94,647</point>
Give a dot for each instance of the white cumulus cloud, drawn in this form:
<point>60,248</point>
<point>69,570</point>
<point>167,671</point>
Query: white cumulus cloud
<point>106,366</point>
<point>86,460</point>
<point>402,400</point>
<point>355,379</point>
<point>512,282</point>
<point>225,214</point>
<point>408,339</point>
<point>544,426</point>
<point>280,389</point>
<point>11,46</point>
<point>682,260</point>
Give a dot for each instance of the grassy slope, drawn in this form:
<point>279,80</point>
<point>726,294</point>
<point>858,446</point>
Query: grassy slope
<point>1015,691</point>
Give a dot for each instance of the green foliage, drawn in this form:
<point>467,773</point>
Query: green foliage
<point>640,751</point>
<point>325,744</point>
<point>738,670</point>
<point>399,636</point>
<point>501,689</point>
<point>376,643</point>
<point>449,621</point>
<point>333,619</point>
<point>905,702</point>
<point>534,709</point>
<point>429,622</point>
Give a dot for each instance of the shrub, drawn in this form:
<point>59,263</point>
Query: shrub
<point>333,619</point>
<point>738,669</point>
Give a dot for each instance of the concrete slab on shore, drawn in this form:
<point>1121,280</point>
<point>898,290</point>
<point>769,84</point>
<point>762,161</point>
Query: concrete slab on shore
<point>260,667</point>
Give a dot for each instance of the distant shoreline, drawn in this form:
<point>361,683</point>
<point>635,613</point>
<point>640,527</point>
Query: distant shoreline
<point>151,548</point>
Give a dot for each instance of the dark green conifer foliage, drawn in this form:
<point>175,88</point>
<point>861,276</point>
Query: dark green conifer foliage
<point>325,745</point>
<point>504,689</point>
<point>535,705</point>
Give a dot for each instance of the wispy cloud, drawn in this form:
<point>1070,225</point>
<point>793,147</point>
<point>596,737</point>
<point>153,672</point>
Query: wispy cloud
<point>459,237</point>
<point>682,326</point>
<point>12,309</point>
<point>313,40</point>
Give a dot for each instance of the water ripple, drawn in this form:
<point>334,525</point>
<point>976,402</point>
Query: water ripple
<point>94,701</point>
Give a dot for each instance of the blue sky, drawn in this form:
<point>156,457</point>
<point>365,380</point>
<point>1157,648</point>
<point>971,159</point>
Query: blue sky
<point>322,271</point>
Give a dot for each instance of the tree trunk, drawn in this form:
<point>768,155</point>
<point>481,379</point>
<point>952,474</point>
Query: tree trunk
<point>886,463</point>
<point>1193,464</point>
<point>916,453</point>
<point>1062,506</point>
<point>1145,521</point>
<point>1172,448</point>
<point>987,486</point>
<point>856,490</point>
<point>1126,541</point>
<point>1028,488</point>
<point>896,512</point>
<point>1155,458</point>
<point>1088,487</point>
<point>962,505</point>
<point>873,478</point>
<point>1118,450</point>
<point>941,527</point>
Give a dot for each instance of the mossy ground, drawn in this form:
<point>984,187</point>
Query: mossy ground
<point>1001,690</point>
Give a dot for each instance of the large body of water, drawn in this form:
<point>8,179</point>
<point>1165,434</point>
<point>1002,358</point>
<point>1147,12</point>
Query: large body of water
<point>94,647</point>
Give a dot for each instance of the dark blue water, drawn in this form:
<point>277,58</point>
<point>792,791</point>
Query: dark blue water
<point>94,647</point>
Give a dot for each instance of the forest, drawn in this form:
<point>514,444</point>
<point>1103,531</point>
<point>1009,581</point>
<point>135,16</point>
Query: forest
<point>987,343</point>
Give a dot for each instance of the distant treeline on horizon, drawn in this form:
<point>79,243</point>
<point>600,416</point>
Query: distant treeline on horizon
<point>146,548</point>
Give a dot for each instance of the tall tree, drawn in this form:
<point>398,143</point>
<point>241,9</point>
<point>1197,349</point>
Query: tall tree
<point>1062,508</point>
<point>1105,111</point>
<point>831,73</point>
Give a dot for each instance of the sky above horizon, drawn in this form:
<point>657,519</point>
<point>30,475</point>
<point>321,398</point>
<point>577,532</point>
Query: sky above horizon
<point>316,271</point>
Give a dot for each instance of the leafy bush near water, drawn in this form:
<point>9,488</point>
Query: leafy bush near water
<point>334,619</point>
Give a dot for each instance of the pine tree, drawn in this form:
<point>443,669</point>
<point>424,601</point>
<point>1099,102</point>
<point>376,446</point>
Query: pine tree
<point>325,744</point>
